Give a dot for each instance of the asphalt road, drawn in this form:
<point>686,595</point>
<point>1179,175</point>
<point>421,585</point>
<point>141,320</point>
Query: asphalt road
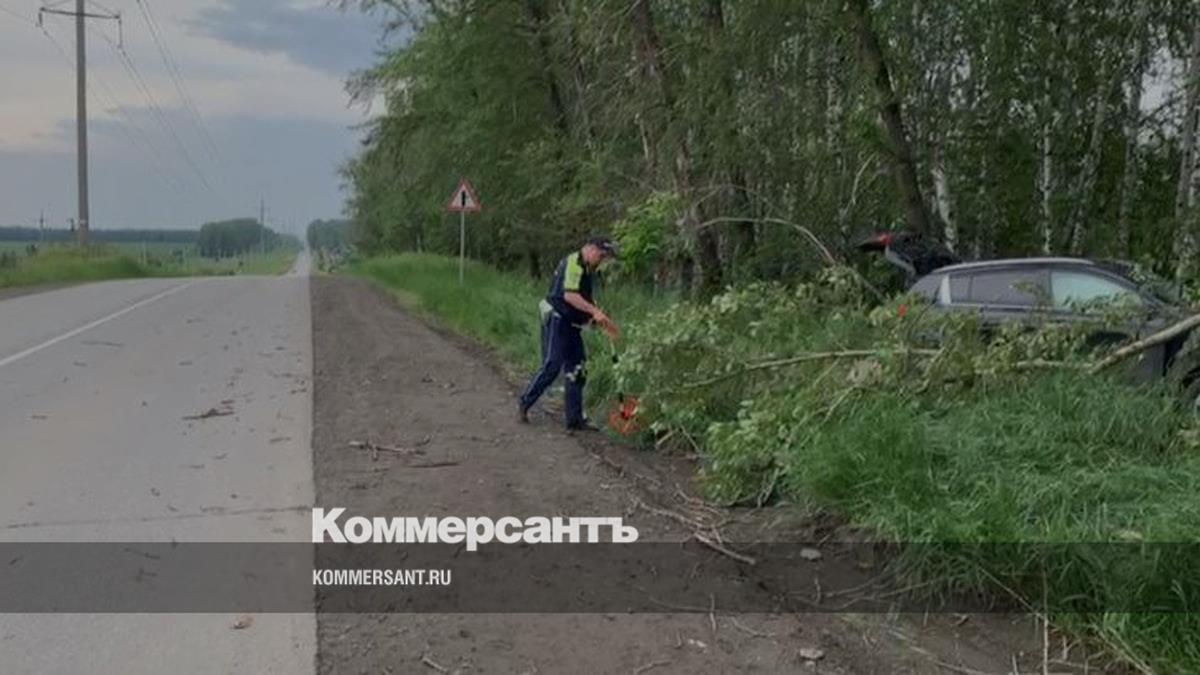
<point>157,410</point>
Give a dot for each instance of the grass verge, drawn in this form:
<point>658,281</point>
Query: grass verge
<point>71,265</point>
<point>1058,487</point>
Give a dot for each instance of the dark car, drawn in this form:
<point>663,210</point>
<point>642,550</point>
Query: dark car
<point>1032,290</point>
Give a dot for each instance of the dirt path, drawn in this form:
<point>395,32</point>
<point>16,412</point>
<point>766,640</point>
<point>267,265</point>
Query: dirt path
<point>381,375</point>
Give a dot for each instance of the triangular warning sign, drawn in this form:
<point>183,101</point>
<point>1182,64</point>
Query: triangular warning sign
<point>464,199</point>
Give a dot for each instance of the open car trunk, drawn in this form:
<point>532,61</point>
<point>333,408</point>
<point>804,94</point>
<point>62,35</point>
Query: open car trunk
<point>915,254</point>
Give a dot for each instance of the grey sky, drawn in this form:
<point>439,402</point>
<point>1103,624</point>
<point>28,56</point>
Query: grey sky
<point>266,76</point>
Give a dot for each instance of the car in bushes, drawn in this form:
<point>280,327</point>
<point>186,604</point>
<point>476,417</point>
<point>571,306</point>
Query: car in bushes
<point>1060,290</point>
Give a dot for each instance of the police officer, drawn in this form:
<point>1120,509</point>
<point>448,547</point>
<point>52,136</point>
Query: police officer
<point>566,310</point>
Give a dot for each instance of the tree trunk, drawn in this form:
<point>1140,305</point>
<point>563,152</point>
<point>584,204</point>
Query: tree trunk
<point>904,165</point>
<point>1046,180</point>
<point>578,75</point>
<point>941,192</point>
<point>1133,128</point>
<point>535,262</point>
<point>1185,192</point>
<point>714,16</point>
<point>537,17</point>
<point>1085,187</point>
<point>650,55</point>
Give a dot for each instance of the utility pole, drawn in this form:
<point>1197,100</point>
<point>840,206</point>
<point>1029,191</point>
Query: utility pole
<point>262,223</point>
<point>42,227</point>
<point>81,16</point>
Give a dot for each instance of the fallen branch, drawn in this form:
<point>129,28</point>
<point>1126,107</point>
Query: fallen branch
<point>830,260</point>
<point>807,358</point>
<point>430,465</point>
<point>692,523</point>
<point>433,664</point>
<point>720,548</point>
<point>211,412</point>
<point>749,631</point>
<point>1145,343</point>
<point>375,449</point>
<point>649,666</point>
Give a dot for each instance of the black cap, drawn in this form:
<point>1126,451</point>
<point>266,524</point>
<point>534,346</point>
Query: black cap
<point>607,244</point>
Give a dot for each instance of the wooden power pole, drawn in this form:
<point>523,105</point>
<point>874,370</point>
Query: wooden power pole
<point>81,16</point>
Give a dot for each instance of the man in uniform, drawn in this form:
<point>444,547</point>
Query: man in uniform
<point>566,310</point>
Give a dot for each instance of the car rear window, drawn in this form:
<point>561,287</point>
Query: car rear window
<point>1010,287</point>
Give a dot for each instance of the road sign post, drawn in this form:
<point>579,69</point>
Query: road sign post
<point>464,201</point>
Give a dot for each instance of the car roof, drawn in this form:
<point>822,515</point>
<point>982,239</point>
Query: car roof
<point>1018,262</point>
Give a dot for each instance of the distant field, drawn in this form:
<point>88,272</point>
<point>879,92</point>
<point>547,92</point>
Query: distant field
<point>59,263</point>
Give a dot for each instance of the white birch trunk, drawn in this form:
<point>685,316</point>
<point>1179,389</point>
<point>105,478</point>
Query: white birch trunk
<point>942,198</point>
<point>1133,129</point>
<point>1185,193</point>
<point>1091,165</point>
<point>1046,182</point>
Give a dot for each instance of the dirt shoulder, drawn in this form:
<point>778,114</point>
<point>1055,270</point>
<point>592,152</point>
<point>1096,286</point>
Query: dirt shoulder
<point>383,376</point>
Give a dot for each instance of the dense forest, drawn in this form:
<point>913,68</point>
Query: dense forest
<point>239,236</point>
<point>330,235</point>
<point>704,131</point>
<point>33,234</point>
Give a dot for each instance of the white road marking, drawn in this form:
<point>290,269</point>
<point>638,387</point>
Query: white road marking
<point>98,322</point>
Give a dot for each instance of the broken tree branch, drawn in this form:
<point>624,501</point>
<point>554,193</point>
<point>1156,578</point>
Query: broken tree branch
<point>829,258</point>
<point>375,448</point>
<point>805,358</point>
<point>1145,343</point>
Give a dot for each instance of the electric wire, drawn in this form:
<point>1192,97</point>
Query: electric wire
<point>172,67</point>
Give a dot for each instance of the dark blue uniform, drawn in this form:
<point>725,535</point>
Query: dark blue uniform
<point>562,339</point>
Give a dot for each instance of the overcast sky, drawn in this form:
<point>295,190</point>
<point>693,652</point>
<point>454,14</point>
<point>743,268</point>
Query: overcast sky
<point>267,79</point>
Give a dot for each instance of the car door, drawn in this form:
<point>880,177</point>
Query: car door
<point>1000,295</point>
<point>1078,293</point>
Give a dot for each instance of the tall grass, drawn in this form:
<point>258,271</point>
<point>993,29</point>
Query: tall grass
<point>64,264</point>
<point>69,265</point>
<point>496,308</point>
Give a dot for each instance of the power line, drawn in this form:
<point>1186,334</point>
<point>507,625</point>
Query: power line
<point>22,17</point>
<point>128,122</point>
<point>135,75</point>
<point>172,67</point>
<point>156,110</point>
<point>127,125</point>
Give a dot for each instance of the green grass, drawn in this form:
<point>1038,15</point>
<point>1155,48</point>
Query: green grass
<point>493,307</point>
<point>1071,474</point>
<point>67,264</point>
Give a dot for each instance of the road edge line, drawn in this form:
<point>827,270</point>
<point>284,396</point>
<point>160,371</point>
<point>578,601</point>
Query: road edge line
<point>86,327</point>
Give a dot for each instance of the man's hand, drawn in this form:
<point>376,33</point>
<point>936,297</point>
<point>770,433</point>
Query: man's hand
<point>607,325</point>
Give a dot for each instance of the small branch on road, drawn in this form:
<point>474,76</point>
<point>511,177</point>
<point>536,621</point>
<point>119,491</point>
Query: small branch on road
<point>211,412</point>
<point>720,548</point>
<point>650,666</point>
<point>433,664</point>
<point>375,449</point>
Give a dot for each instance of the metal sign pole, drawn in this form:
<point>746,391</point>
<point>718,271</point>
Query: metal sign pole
<point>462,245</point>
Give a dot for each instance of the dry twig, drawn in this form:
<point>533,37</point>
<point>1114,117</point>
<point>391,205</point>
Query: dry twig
<point>653,664</point>
<point>433,664</point>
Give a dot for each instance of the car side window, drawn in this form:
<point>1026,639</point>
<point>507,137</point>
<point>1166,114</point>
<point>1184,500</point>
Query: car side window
<point>1075,288</point>
<point>960,287</point>
<point>1009,287</point>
